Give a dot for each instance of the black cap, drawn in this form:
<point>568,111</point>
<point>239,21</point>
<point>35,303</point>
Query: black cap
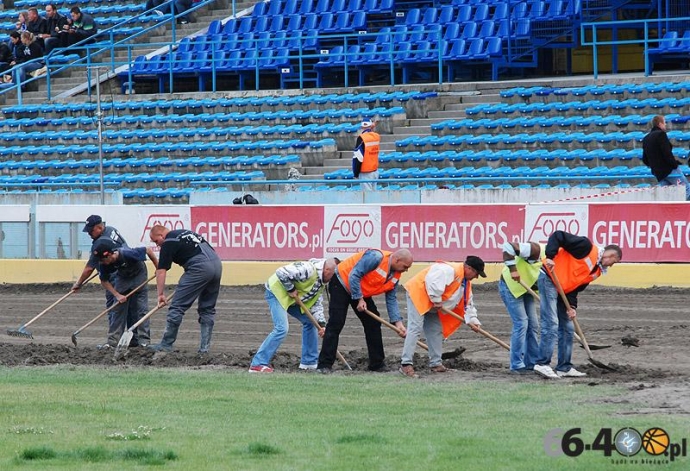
<point>92,221</point>
<point>476,263</point>
<point>104,247</point>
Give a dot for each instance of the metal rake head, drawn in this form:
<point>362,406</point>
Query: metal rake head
<point>21,332</point>
<point>74,339</point>
<point>123,345</point>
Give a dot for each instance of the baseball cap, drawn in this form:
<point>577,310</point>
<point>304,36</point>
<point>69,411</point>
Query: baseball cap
<point>104,247</point>
<point>476,263</point>
<point>367,123</point>
<point>92,221</point>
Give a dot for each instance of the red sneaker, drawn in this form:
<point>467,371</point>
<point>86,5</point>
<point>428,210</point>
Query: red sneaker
<point>260,369</point>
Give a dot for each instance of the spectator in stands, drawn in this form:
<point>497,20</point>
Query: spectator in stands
<point>6,56</point>
<point>365,161</point>
<point>182,6</point>
<point>25,53</point>
<point>56,23</point>
<point>657,154</point>
<point>160,8</point>
<point>81,27</point>
<point>22,19</point>
<point>37,25</point>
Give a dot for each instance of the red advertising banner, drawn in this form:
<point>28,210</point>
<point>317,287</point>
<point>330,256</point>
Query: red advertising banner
<point>647,232</point>
<point>451,232</point>
<point>261,232</point>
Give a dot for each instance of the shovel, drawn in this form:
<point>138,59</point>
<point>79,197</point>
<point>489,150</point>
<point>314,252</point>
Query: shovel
<point>577,337</point>
<point>307,312</point>
<point>123,344</point>
<point>22,332</point>
<point>561,293</point>
<point>78,331</point>
<point>479,331</point>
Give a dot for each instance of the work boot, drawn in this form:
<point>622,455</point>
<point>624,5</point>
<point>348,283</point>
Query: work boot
<point>169,337</point>
<point>206,334</point>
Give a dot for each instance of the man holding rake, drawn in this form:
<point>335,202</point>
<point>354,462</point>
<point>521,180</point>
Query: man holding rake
<point>442,285</point>
<point>131,273</point>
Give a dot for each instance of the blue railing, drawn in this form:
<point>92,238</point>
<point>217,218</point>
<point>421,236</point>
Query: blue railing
<point>659,24</point>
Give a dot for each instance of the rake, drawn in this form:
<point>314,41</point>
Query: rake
<point>481,331</point>
<point>308,313</point>
<point>561,293</point>
<point>22,332</point>
<point>106,311</point>
<point>391,326</point>
<point>577,337</point>
<point>123,344</point>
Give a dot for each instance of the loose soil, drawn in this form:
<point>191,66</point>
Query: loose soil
<point>657,372</point>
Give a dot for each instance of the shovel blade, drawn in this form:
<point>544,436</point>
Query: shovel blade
<point>74,339</point>
<point>123,344</point>
<point>601,365</point>
<point>454,354</point>
<point>596,347</point>
<point>21,332</point>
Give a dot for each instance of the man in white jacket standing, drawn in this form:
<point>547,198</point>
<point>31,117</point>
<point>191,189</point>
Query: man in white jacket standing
<point>442,285</point>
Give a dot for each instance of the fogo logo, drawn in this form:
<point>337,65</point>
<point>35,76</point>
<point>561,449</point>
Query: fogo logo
<point>350,228</point>
<point>547,223</point>
<point>171,221</point>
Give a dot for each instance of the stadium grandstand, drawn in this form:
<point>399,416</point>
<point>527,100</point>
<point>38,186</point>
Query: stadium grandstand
<point>477,97</point>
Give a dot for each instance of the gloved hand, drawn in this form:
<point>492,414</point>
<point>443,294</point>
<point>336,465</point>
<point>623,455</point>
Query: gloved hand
<point>472,319</point>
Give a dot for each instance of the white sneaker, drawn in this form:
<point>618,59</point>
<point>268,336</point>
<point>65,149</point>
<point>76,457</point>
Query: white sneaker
<point>571,373</point>
<point>546,371</point>
<point>302,366</point>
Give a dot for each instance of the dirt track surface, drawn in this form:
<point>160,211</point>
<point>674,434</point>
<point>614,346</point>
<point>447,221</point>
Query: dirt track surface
<point>657,372</point>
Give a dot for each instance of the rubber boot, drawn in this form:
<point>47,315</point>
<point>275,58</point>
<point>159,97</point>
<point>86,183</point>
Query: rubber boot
<point>206,334</point>
<point>169,337</point>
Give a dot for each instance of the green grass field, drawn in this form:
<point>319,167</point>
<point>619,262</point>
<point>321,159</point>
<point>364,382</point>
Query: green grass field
<point>70,418</point>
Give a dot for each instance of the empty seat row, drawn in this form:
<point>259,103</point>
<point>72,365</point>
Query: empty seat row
<point>190,118</point>
<point>303,7</point>
<point>228,102</point>
<point>153,133</point>
<point>151,162</point>
<point>580,106</point>
<point>555,121</point>
<point>133,178</point>
<point>596,90</point>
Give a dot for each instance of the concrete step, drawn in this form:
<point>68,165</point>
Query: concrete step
<point>458,106</point>
<point>388,138</point>
<point>389,147</point>
<point>412,130</point>
<point>426,122</point>
<point>313,172</point>
<point>451,114</point>
<point>492,98</point>
<point>337,163</point>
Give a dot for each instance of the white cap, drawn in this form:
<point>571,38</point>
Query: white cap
<point>367,123</point>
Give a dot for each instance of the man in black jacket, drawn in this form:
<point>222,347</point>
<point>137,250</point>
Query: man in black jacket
<point>37,25</point>
<point>56,24</point>
<point>657,154</point>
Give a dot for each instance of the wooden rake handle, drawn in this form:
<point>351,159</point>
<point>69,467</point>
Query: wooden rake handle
<point>150,313</point>
<point>308,313</point>
<point>107,310</point>
<point>392,327</point>
<point>479,331</point>
<point>46,310</point>
<point>578,329</point>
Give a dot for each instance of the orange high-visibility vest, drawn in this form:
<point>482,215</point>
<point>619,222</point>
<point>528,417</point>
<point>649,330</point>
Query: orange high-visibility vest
<point>573,272</point>
<point>373,283</point>
<point>416,288</point>
<point>370,162</point>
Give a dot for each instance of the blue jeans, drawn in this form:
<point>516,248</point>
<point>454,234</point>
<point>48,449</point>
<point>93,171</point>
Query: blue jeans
<point>524,346</point>
<point>554,325</point>
<point>676,177</point>
<point>310,340</point>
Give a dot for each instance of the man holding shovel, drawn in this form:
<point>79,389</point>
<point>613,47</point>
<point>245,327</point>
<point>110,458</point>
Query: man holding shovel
<point>574,262</point>
<point>522,265</point>
<point>357,279</point>
<point>201,279</point>
<point>131,273</point>
<point>304,281</point>
<point>442,285</point>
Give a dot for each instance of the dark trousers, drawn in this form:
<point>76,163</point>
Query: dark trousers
<point>337,313</point>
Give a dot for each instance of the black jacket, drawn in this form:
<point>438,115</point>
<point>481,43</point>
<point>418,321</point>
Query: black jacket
<point>40,26</point>
<point>26,53</point>
<point>56,24</point>
<point>657,153</point>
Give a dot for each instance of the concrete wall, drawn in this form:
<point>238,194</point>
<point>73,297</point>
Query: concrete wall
<point>629,275</point>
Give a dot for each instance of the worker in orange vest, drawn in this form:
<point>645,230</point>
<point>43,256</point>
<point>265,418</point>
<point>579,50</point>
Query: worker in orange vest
<point>357,279</point>
<point>365,160</point>
<point>443,284</point>
<point>575,262</point>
